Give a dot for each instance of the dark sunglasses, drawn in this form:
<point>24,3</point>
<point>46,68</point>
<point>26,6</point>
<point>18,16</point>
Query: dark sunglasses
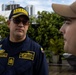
<point>18,21</point>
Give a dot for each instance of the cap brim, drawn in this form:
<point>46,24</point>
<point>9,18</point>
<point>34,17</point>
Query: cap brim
<point>17,15</point>
<point>63,10</point>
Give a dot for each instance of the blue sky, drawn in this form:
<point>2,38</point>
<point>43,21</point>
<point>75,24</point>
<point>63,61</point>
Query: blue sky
<point>40,5</point>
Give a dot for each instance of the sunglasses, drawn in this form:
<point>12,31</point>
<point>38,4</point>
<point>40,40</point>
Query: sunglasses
<point>18,21</point>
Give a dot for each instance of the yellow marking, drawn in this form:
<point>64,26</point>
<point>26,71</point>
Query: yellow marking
<point>3,54</point>
<point>27,55</point>
<point>11,61</point>
<point>20,10</point>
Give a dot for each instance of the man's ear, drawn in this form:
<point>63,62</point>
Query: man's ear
<point>8,23</point>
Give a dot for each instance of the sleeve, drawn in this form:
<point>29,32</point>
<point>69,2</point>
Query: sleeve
<point>41,65</point>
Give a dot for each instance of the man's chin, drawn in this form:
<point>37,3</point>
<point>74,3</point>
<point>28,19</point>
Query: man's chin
<point>19,35</point>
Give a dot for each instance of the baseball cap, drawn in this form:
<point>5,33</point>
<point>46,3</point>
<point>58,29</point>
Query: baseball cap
<point>17,12</point>
<point>65,10</point>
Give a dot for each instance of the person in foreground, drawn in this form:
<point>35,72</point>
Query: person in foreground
<point>19,55</point>
<point>68,29</point>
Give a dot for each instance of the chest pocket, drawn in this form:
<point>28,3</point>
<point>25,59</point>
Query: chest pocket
<point>3,60</point>
<point>23,66</point>
<point>3,63</point>
<point>2,69</point>
<point>24,63</point>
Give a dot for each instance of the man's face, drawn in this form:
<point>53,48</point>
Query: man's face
<point>69,33</point>
<point>18,27</point>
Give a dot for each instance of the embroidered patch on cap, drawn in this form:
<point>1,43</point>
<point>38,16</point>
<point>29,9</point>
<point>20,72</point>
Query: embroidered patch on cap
<point>19,11</point>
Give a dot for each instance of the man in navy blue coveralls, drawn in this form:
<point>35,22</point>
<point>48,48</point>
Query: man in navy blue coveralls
<point>19,55</point>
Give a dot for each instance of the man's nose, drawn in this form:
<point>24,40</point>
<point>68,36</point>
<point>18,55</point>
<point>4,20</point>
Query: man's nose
<point>62,29</point>
<point>20,24</point>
